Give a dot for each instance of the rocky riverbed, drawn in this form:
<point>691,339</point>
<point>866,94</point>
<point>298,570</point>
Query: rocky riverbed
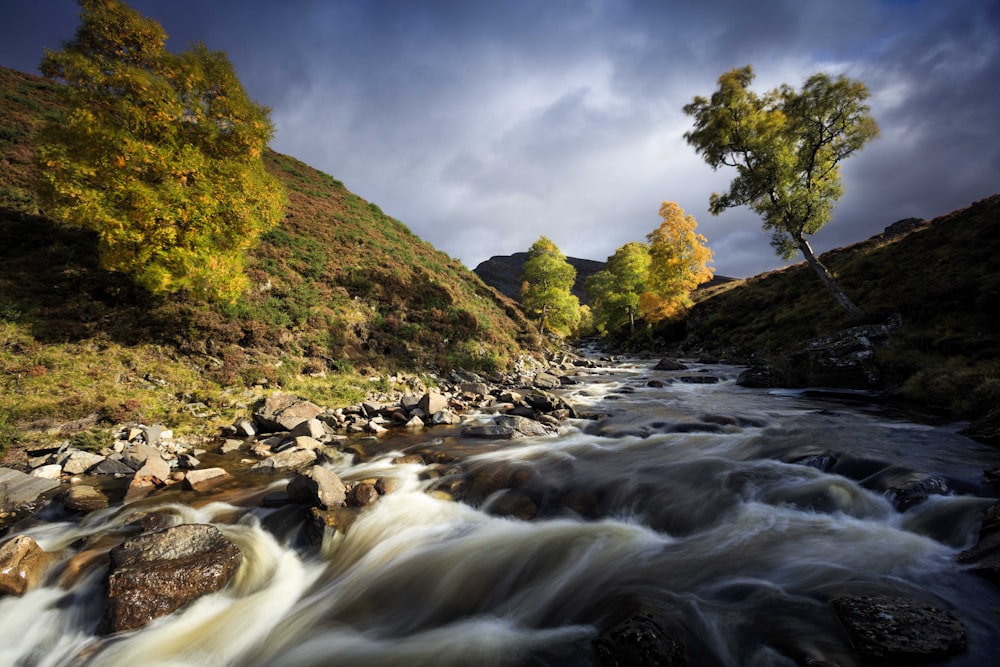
<point>282,458</point>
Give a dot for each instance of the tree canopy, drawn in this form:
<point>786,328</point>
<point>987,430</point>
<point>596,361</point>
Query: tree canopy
<point>614,291</point>
<point>547,281</point>
<point>787,147</point>
<point>679,262</point>
<point>160,155</point>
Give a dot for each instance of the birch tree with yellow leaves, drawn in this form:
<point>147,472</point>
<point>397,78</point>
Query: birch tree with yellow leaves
<point>679,262</point>
<point>160,154</point>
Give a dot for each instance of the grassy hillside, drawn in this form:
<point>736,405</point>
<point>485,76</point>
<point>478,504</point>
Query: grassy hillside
<point>340,292</point>
<point>943,277</point>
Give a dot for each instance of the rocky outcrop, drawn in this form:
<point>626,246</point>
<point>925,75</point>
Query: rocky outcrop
<point>844,360</point>
<point>155,574</point>
<point>899,630</point>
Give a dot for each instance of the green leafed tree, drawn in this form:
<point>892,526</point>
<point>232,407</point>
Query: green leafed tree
<point>160,155</point>
<point>546,284</point>
<point>786,146</point>
<point>679,262</point>
<point>615,291</point>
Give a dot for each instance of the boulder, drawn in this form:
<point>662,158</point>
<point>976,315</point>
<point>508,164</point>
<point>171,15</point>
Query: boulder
<point>638,640</point>
<point>765,377</point>
<point>899,630</point>
<point>244,428</point>
<point>154,574</point>
<point>283,412</point>
<point>22,495</point>
<point>445,417</point>
<point>206,479</point>
<point>77,462</point>
<point>362,494</point>
<point>22,562</point>
<point>546,381</point>
<point>414,422</point>
<point>669,365</point>
<point>432,402</point>
<point>845,359</point>
<point>311,428</point>
<point>476,388</point>
<point>112,466</point>
<point>84,498</point>
<point>984,557</point>
<point>289,459</point>
<point>317,487</point>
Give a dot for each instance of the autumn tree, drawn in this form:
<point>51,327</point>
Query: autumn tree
<point>787,147</point>
<point>547,281</point>
<point>679,262</point>
<point>159,154</point>
<point>615,291</point>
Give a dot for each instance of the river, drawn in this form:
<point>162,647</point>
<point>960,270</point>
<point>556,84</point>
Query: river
<point>690,500</point>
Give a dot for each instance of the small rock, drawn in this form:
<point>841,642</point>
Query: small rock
<point>230,445</point>
<point>669,365</point>
<point>311,428</point>
<point>206,478</point>
<point>51,471</point>
<point>112,466</point>
<point>546,381</point>
<point>84,498</point>
<point>244,428</point>
<point>362,494</point>
<point>415,422</point>
<point>432,402</point>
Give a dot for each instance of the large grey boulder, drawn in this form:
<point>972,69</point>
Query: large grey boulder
<point>432,402</point>
<point>283,412</point>
<point>155,574</point>
<point>22,495</point>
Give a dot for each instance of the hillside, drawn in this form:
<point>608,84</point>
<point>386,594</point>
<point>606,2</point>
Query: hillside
<point>503,272</point>
<point>339,287</point>
<point>942,277</point>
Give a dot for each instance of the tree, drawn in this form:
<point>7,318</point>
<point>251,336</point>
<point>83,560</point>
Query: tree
<point>160,155</point>
<point>614,291</point>
<point>545,289</point>
<point>787,147</point>
<point>679,262</point>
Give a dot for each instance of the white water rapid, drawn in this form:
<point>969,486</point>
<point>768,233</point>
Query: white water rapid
<point>691,500</point>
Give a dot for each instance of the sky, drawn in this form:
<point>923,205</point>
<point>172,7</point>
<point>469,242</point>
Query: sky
<point>483,125</point>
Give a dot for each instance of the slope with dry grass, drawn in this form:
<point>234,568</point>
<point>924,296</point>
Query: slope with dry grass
<point>341,292</point>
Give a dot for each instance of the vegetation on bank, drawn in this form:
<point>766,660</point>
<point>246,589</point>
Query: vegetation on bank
<point>940,276</point>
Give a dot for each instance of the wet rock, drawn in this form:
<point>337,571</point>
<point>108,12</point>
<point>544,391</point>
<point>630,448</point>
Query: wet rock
<point>765,377</point>
<point>339,520</point>
<point>699,379</point>
<point>22,563</point>
<point>655,384</point>
<point>155,574</point>
<point>445,417</point>
<point>317,487</point>
<point>362,494</point>
<point>22,495</point>
<point>985,428</point>
<point>638,641</point>
<point>408,459</point>
<point>670,365</point>
<point>244,428</point>
<point>289,459</point>
<point>206,479</point>
<point>844,359</point>
<point>84,498</point>
<point>913,492</point>
<point>984,558</point>
<point>900,630</point>
<point>283,412</point>
<point>521,425</point>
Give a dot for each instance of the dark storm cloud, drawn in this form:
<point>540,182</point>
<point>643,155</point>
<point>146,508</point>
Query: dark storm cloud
<point>483,125</point>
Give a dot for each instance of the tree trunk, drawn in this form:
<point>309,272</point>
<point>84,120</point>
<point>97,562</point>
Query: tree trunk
<point>824,275</point>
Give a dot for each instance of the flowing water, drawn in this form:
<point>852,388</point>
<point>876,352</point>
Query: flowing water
<point>682,500</point>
